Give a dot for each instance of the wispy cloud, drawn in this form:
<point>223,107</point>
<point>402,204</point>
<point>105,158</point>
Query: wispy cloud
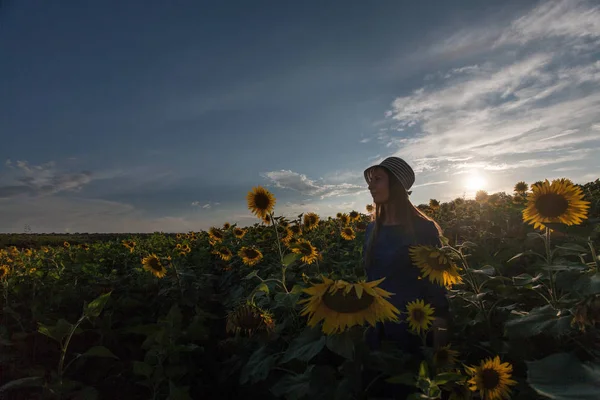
<point>520,104</point>
<point>430,183</point>
<point>204,206</point>
<point>286,179</point>
<point>40,180</point>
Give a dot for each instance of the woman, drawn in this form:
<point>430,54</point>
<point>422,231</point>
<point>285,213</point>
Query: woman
<point>398,225</point>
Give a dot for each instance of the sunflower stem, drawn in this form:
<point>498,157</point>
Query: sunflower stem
<point>280,254</point>
<point>594,255</point>
<point>553,296</point>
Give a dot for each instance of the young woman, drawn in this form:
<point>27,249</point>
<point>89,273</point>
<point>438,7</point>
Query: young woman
<point>398,225</point>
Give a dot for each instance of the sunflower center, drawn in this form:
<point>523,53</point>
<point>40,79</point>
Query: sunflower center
<point>305,249</point>
<point>349,303</point>
<point>435,264</point>
<point>551,205</point>
<point>251,253</point>
<point>154,264</point>
<point>417,315</point>
<point>490,378</point>
<point>262,201</point>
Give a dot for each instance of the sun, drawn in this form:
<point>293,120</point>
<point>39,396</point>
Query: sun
<point>475,182</point>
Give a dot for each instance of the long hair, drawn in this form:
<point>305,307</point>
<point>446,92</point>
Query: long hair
<point>398,200</point>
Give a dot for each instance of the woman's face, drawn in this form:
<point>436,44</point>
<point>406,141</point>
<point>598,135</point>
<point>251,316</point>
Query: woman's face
<point>379,186</point>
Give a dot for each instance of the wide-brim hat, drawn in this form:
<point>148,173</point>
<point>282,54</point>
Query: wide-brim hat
<point>399,168</point>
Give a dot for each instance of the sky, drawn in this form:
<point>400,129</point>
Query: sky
<point>145,116</point>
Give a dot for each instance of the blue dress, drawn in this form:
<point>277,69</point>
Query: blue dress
<point>391,260</point>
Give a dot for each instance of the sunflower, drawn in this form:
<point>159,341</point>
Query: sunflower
<point>185,249</point>
<point>434,204</point>
<point>267,219</point>
<point>215,234</point>
<point>341,305</point>
<point>361,226</point>
<point>435,264</point>
<point>492,379</point>
<point>307,250</point>
<point>224,253</point>
<point>239,232</point>
<point>557,202</point>
<point>348,233</point>
<point>521,188</point>
<point>311,221</point>
<point>67,245</point>
<point>338,215</point>
<point>419,315</point>
<point>178,236</point>
<point>260,201</point>
<point>4,271</point>
<point>249,318</point>
<point>354,215</point>
<point>296,229</point>
<point>444,356</point>
<point>28,252</point>
<point>178,246</point>
<point>152,264</point>
<point>129,244</point>
<point>287,236</point>
<point>84,246</point>
<point>250,256</point>
<point>370,208</point>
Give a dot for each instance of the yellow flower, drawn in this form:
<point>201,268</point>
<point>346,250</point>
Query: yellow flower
<point>249,318</point>
<point>436,265</point>
<point>492,379</point>
<point>444,356</point>
<point>4,271</point>
<point>226,226</point>
<point>152,264</point>
<point>215,234</point>
<point>185,249</point>
<point>419,316</point>
<point>521,187</point>
<point>67,245</point>
<point>287,236</point>
<point>348,233</point>
<point>260,201</point>
<point>129,244</point>
<point>296,229</point>
<point>239,232</point>
<point>560,202</point>
<point>342,305</point>
<point>354,215</point>
<point>250,256</point>
<point>28,252</point>
<point>370,208</point>
<point>434,204</point>
<point>311,220</point>
<point>306,249</point>
<point>344,219</point>
<point>267,219</point>
<point>178,246</point>
<point>224,253</point>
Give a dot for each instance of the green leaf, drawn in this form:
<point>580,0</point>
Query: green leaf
<point>93,309</point>
<point>540,320</point>
<point>251,275</point>
<point>174,317</point>
<point>178,392</point>
<point>290,258</point>
<point>406,378</point>
<point>525,279</point>
<point>486,270</point>
<point>587,284</point>
<point>306,346</point>
<point>423,370</point>
<point>562,376</point>
<point>143,369</point>
<point>258,366</point>
<point>294,387</point>
<point>57,332</point>
<point>342,344</point>
<point>573,247</point>
<point>446,377</point>
<point>99,351</point>
<point>262,287</point>
<point>30,381</point>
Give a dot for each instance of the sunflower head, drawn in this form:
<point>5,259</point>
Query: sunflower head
<point>185,249</point>
<point>361,226</point>
<point>492,379</point>
<point>558,201</point>
<point>224,253</point>
<point>226,226</point>
<point>4,271</point>
<point>152,264</point>
<point>521,187</point>
<point>306,249</point>
<point>481,196</point>
<point>260,201</point>
<point>250,255</point>
<point>216,234</point>
<point>85,247</point>
<point>354,215</point>
<point>434,204</point>
<point>311,221</point>
<point>129,244</point>
<point>248,318</point>
<point>239,232</point>
<point>267,219</point>
<point>435,264</point>
<point>419,316</point>
<point>342,305</point>
<point>348,233</point>
<point>370,208</point>
<point>444,357</point>
<point>66,245</point>
<point>296,229</point>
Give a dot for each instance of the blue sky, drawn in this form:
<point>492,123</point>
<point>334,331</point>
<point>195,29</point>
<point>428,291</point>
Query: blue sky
<point>160,116</point>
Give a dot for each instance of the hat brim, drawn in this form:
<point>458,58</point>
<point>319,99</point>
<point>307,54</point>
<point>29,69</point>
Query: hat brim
<point>366,175</point>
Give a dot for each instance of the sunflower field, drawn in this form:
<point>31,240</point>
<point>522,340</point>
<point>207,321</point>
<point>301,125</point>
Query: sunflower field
<point>279,310</point>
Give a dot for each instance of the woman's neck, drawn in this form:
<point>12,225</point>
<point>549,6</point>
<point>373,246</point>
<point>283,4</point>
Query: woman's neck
<point>390,218</point>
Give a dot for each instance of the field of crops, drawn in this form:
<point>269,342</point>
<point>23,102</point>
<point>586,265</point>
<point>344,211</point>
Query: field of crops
<point>279,309</point>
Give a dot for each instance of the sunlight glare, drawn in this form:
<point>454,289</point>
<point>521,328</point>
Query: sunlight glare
<point>475,182</point>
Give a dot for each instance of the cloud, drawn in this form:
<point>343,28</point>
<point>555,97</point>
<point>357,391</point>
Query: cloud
<point>430,183</point>
<point>206,206</point>
<point>520,102</point>
<point>286,179</point>
<point>40,180</point>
